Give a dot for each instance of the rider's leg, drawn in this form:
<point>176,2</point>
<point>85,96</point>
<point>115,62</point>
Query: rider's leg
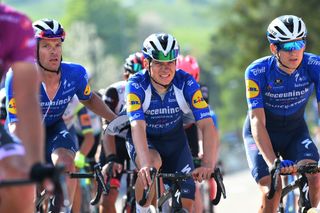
<point>267,205</point>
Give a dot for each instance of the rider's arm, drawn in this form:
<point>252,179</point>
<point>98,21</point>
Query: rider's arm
<point>210,142</point>
<point>87,131</point>
<point>26,84</point>
<point>261,136</point>
<point>96,105</point>
<point>138,132</point>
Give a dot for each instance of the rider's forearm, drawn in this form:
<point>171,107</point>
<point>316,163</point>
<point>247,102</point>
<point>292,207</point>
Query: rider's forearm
<point>263,142</point>
<point>87,144</point>
<point>96,105</point>
<point>109,145</point>
<point>138,131</point>
<point>210,144</point>
<point>29,128</point>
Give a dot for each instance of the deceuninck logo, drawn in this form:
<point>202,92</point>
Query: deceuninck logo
<point>198,100</point>
<point>87,91</point>
<point>12,106</point>
<point>133,102</point>
<point>252,89</point>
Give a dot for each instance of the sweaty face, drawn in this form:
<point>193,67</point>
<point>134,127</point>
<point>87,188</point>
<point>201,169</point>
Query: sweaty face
<point>162,72</point>
<point>50,51</point>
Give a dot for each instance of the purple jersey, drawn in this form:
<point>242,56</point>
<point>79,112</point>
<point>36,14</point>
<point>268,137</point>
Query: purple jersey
<point>16,38</point>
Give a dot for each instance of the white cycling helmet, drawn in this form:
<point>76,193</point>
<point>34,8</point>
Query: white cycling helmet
<point>48,28</point>
<point>286,28</point>
<point>161,47</point>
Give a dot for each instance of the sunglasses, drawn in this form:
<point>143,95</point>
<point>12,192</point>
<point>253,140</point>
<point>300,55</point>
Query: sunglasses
<point>292,45</point>
<point>159,56</point>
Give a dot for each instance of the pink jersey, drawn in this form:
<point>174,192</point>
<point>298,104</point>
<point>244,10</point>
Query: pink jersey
<point>17,41</point>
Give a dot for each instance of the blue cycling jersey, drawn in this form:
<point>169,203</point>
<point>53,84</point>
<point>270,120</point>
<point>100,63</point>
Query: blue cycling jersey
<point>163,112</point>
<point>282,95</point>
<point>74,81</point>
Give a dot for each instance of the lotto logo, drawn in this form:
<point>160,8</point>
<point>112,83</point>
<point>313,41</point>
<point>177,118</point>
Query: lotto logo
<point>252,89</point>
<point>12,106</point>
<point>198,101</point>
<point>133,102</point>
<point>87,91</point>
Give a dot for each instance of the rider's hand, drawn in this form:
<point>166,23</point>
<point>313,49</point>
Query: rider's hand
<point>202,173</point>
<point>80,160</point>
<point>287,167</point>
<point>116,168</point>
<point>145,176</point>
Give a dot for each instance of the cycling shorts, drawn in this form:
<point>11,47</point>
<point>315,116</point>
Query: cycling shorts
<point>176,157</point>
<point>294,145</point>
<point>57,136</point>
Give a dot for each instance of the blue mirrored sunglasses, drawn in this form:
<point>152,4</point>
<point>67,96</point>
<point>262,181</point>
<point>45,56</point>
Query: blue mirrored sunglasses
<point>292,45</point>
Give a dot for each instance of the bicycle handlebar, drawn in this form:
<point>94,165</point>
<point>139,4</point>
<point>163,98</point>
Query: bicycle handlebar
<point>184,176</point>
<point>103,188</point>
<point>309,168</point>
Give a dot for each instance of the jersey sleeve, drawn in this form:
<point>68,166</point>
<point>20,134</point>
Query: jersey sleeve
<point>314,71</point>
<point>134,94</point>
<point>84,90</point>
<point>195,100</point>
<point>253,85</point>
<point>20,48</point>
<point>10,100</point>
<point>84,120</point>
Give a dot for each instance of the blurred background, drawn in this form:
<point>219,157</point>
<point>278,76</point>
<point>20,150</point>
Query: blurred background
<point>224,35</point>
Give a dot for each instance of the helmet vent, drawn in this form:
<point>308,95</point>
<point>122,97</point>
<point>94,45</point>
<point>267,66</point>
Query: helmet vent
<point>153,45</point>
<point>281,31</point>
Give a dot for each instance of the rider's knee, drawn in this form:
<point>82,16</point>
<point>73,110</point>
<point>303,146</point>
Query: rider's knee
<point>65,157</point>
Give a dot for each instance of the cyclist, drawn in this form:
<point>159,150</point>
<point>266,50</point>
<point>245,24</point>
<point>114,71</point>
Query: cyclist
<point>190,65</point>
<point>114,146</point>
<point>76,111</point>
<point>60,82</point>
<point>277,90</point>
<point>156,98</point>
<point>17,51</point>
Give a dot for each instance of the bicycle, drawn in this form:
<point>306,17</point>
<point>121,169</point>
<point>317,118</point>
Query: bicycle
<point>102,188</point>
<point>129,200</point>
<point>301,183</point>
<point>175,190</point>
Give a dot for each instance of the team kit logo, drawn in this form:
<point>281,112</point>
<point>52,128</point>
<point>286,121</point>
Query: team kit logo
<point>252,89</point>
<point>12,106</point>
<point>87,91</point>
<point>198,100</point>
<point>133,102</point>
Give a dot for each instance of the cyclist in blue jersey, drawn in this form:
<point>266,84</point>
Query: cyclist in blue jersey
<point>60,82</point>
<point>114,147</point>
<point>277,90</point>
<point>157,98</point>
<point>17,49</point>
<point>190,65</point>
